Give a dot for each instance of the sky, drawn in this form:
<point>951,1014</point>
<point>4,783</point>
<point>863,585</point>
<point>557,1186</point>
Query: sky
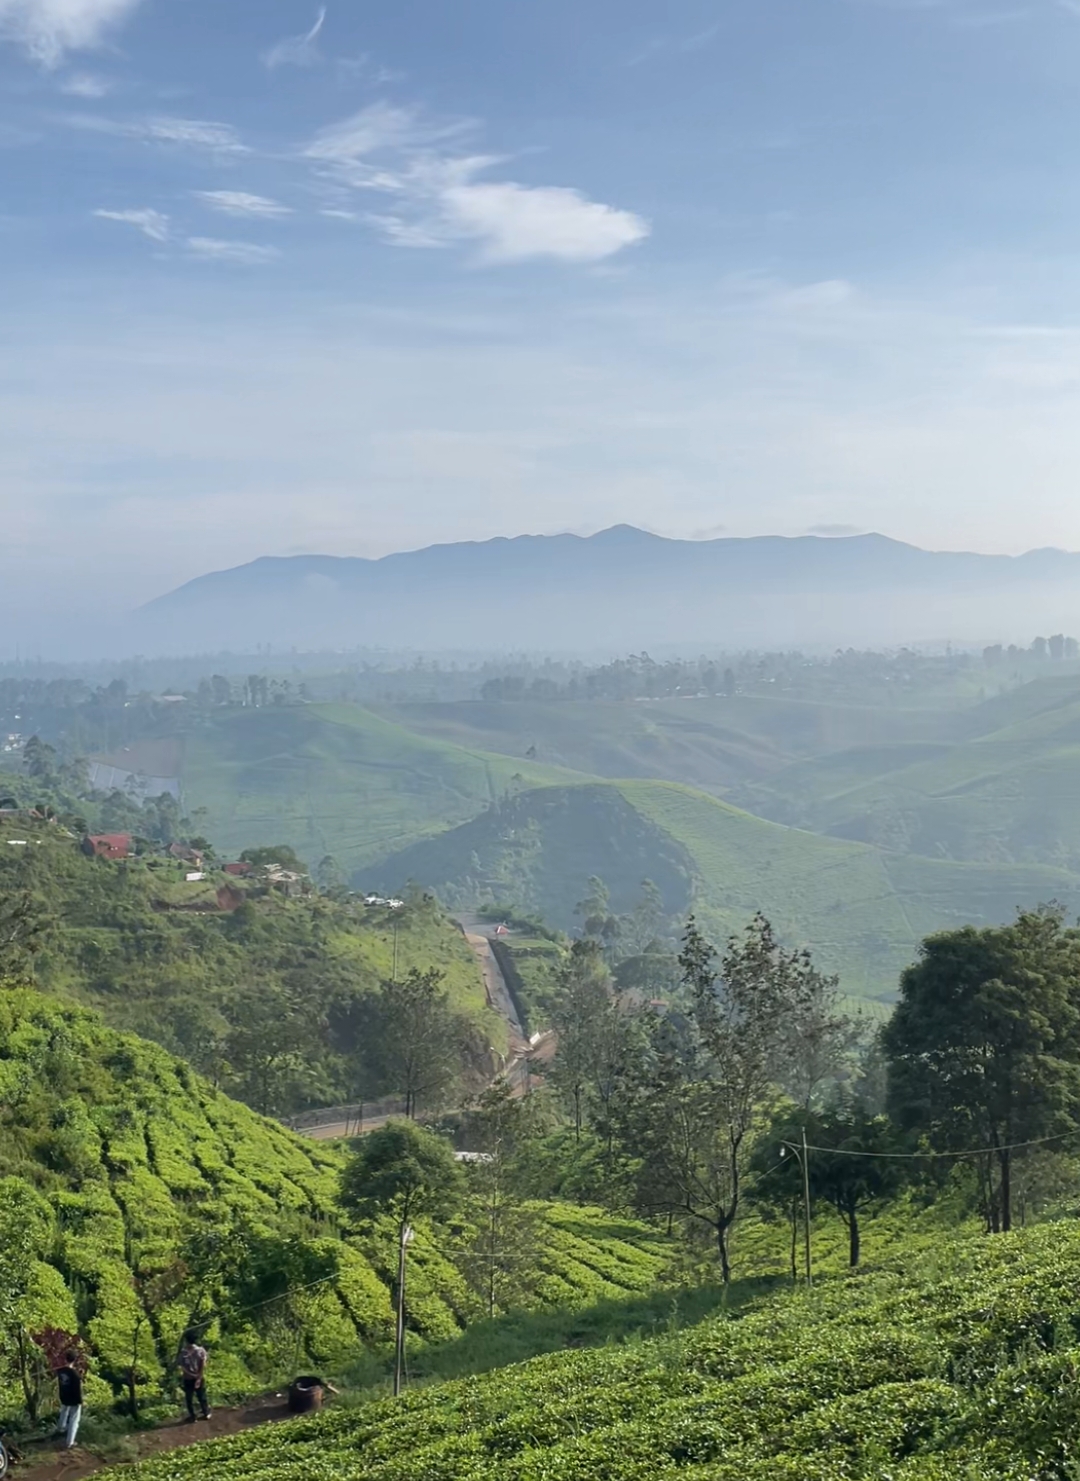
<point>278,277</point>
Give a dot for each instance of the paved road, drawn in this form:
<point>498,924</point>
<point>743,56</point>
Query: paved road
<point>516,1071</point>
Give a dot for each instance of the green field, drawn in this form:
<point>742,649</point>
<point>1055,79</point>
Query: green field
<point>956,1363</point>
<point>336,779</point>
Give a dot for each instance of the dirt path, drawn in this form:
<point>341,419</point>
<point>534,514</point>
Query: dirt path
<point>42,1463</point>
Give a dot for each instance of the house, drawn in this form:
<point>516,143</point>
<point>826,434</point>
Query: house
<point>107,845</point>
<point>240,870</point>
<point>186,854</point>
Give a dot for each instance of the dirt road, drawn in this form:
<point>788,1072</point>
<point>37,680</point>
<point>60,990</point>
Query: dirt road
<point>42,1463</point>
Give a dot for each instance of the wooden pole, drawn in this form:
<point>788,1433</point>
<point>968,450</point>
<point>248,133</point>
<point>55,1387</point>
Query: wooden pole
<point>399,1342</point>
<point>806,1204</point>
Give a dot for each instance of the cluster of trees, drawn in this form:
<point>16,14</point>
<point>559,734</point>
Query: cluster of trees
<point>1056,649</point>
<point>973,1085</point>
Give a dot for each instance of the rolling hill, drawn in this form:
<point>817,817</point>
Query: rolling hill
<point>337,779</point>
<point>861,911</point>
<point>1006,790</point>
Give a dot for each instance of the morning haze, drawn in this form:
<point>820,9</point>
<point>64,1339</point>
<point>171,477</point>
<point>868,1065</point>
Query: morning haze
<point>540,740</point>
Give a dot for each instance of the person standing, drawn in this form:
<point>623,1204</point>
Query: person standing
<point>191,1361</point>
<point>69,1382</point>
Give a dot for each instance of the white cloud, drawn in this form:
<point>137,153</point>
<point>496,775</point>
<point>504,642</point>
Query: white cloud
<point>297,51</point>
<point>379,128</point>
<point>50,28</point>
<point>86,85</point>
<point>212,249</point>
<point>152,224</point>
<point>190,133</point>
<point>513,222</point>
<point>241,203</point>
<point>438,201</point>
<point>219,138</point>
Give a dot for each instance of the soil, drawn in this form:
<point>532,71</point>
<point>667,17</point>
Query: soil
<point>41,1462</point>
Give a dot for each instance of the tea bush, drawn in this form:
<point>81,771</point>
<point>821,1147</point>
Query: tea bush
<point>959,1364</point>
<point>159,1199</point>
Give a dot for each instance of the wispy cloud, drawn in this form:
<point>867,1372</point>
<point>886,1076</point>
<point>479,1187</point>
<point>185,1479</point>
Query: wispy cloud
<point>674,45</point>
<point>190,133</point>
<point>297,51</point>
<point>152,224</point>
<point>248,254</point>
<point>86,85</point>
<point>48,29</point>
<point>438,199</point>
<point>241,203</point>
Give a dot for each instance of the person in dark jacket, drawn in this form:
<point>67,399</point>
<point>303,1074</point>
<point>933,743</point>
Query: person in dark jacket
<point>69,1382</point>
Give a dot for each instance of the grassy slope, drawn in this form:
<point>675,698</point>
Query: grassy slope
<point>336,779</point>
<point>860,910</point>
<point>713,744</point>
<point>126,1146</point>
<point>1009,791</point>
<point>113,946</point>
<point>958,1362</point>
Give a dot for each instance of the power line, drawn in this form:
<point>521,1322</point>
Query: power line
<point>921,1156</point>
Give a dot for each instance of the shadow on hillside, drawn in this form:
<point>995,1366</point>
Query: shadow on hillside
<point>521,1335</point>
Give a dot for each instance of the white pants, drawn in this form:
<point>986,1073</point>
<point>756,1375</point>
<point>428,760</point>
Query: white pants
<point>68,1423</point>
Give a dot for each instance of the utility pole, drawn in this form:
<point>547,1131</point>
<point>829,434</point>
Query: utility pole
<point>399,1343</point>
<point>806,1203</point>
<point>803,1159</point>
<point>394,976</point>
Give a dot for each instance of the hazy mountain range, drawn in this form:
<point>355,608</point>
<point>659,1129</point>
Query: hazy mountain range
<point>621,589</point>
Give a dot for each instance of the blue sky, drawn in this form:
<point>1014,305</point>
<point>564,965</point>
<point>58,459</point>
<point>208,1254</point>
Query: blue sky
<point>279,278</point>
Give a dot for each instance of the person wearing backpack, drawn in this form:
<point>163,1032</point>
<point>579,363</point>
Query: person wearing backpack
<point>191,1360</point>
<point>69,1383</point>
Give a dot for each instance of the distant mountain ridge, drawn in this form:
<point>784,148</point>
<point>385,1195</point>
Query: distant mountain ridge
<point>621,588</point>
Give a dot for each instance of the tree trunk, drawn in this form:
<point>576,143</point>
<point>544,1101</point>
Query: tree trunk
<point>577,1113</point>
<point>1005,1158</point>
<point>794,1215</point>
<point>725,1260</point>
<point>853,1237</point>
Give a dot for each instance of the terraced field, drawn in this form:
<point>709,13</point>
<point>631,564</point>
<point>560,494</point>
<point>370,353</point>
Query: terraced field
<point>958,1363</point>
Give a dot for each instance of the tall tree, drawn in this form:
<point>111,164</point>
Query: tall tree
<point>983,1050</point>
<point>417,1046</point>
<point>583,1015</point>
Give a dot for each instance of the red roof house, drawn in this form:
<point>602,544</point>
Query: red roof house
<point>239,870</point>
<point>107,845</point>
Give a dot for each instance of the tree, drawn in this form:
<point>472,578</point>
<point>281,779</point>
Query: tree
<point>417,1042</point>
<point>404,1170</point>
<point>329,875</point>
<point>583,1017</point>
<point>742,1019</point>
<point>983,1050</point>
<point>855,1176</point>
<point>269,1046</point>
<point>25,920</point>
<point>505,1232</point>
<point>39,759</point>
<point>278,853</point>
<point>598,923</point>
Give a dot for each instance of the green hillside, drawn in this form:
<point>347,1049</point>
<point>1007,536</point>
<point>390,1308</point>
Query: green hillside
<point>336,779</point>
<point>159,956</point>
<point>1008,792</point>
<point>861,911</point>
<point>147,1197</point>
<point>958,1365</point>
<point>711,743</point>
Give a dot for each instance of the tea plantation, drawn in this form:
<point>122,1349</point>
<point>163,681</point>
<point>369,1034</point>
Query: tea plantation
<point>962,1368</point>
<point>144,1196</point>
